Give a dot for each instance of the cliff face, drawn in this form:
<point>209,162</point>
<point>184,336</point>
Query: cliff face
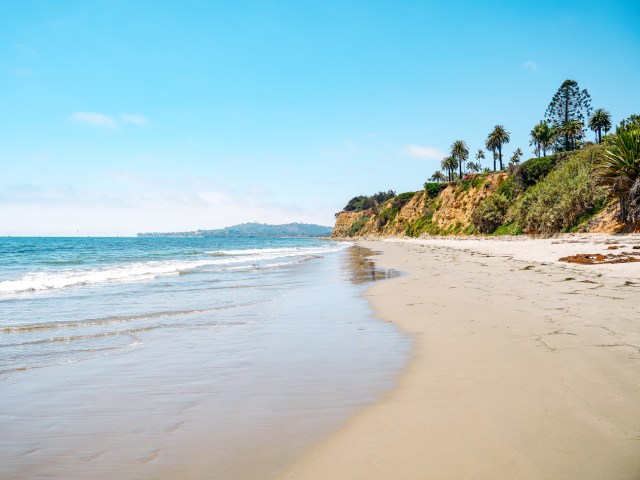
<point>448,212</point>
<point>456,207</point>
<point>344,221</point>
<point>416,208</point>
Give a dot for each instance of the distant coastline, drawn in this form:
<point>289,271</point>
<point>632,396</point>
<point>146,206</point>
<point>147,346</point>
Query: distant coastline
<point>252,229</point>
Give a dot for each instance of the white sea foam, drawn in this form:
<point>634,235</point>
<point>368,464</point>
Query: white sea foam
<point>222,260</point>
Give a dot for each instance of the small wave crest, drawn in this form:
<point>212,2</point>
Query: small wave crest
<point>220,260</point>
<point>117,319</point>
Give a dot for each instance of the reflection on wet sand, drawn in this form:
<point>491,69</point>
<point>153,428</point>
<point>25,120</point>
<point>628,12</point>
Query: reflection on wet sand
<point>359,268</point>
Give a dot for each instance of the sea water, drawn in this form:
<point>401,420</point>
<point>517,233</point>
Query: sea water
<point>182,357</point>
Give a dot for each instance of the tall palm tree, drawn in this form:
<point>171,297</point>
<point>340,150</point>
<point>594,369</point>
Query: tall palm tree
<point>600,120</point>
<point>573,131</point>
<point>460,152</point>
<point>619,168</point>
<point>496,139</point>
<point>438,177</point>
<point>479,157</point>
<point>449,164</point>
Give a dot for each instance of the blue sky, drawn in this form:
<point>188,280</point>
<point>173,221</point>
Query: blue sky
<point>125,116</point>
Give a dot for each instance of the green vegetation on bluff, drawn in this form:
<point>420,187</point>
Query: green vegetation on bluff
<point>549,193</point>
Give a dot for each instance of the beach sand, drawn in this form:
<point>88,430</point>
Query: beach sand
<point>523,367</point>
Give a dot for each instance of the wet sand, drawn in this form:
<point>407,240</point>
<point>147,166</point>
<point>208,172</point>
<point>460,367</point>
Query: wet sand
<point>235,394</point>
<point>523,367</point>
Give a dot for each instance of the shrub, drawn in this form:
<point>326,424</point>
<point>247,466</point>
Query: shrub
<point>508,229</point>
<point>534,169</point>
<point>382,197</point>
<point>423,225</point>
<point>391,212</point>
<point>470,180</point>
<point>387,215</point>
<point>363,202</point>
<point>432,190</point>
<point>402,199</point>
<point>509,188</point>
<point>563,198</point>
<point>491,213</point>
<point>357,225</point>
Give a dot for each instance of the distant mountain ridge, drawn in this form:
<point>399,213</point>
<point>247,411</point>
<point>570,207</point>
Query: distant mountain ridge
<point>253,229</point>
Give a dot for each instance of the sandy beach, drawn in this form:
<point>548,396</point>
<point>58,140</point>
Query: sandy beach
<point>522,366</point>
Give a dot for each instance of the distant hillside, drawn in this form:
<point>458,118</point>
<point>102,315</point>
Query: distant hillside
<point>253,230</point>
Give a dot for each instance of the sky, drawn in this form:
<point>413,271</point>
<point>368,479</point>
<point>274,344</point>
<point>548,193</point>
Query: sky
<point>119,117</point>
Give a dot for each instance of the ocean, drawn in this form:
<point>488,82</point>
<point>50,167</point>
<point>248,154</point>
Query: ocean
<point>182,357</point>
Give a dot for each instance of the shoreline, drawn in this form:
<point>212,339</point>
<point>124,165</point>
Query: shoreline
<point>521,366</point>
<point>256,363</point>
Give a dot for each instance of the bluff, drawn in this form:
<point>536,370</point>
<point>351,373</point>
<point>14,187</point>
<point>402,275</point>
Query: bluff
<point>542,196</point>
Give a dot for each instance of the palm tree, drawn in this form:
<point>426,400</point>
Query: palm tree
<point>600,120</point>
<point>619,168</point>
<point>474,167</point>
<point>496,139</point>
<point>460,152</point>
<point>573,130</point>
<point>546,136</point>
<point>449,164</point>
<point>479,158</point>
<point>438,177</point>
<point>536,133</point>
<point>515,158</point>
<point>495,159</point>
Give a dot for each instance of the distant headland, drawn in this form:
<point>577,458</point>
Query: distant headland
<point>253,229</point>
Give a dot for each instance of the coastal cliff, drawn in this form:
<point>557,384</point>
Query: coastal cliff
<point>542,196</point>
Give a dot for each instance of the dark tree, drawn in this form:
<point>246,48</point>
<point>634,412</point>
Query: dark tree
<point>382,197</point>
<point>567,105</point>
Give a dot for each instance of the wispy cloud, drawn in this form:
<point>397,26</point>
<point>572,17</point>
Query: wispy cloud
<point>93,119</point>
<point>531,66</point>
<point>135,118</point>
<point>23,48</point>
<point>22,72</point>
<point>418,151</point>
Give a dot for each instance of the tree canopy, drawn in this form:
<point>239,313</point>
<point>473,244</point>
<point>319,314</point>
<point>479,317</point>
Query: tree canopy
<point>364,202</point>
<point>569,104</point>
<point>598,121</point>
<point>495,141</point>
<point>460,152</point>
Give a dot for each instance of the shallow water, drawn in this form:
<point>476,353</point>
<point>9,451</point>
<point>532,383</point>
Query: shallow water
<point>203,371</point>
